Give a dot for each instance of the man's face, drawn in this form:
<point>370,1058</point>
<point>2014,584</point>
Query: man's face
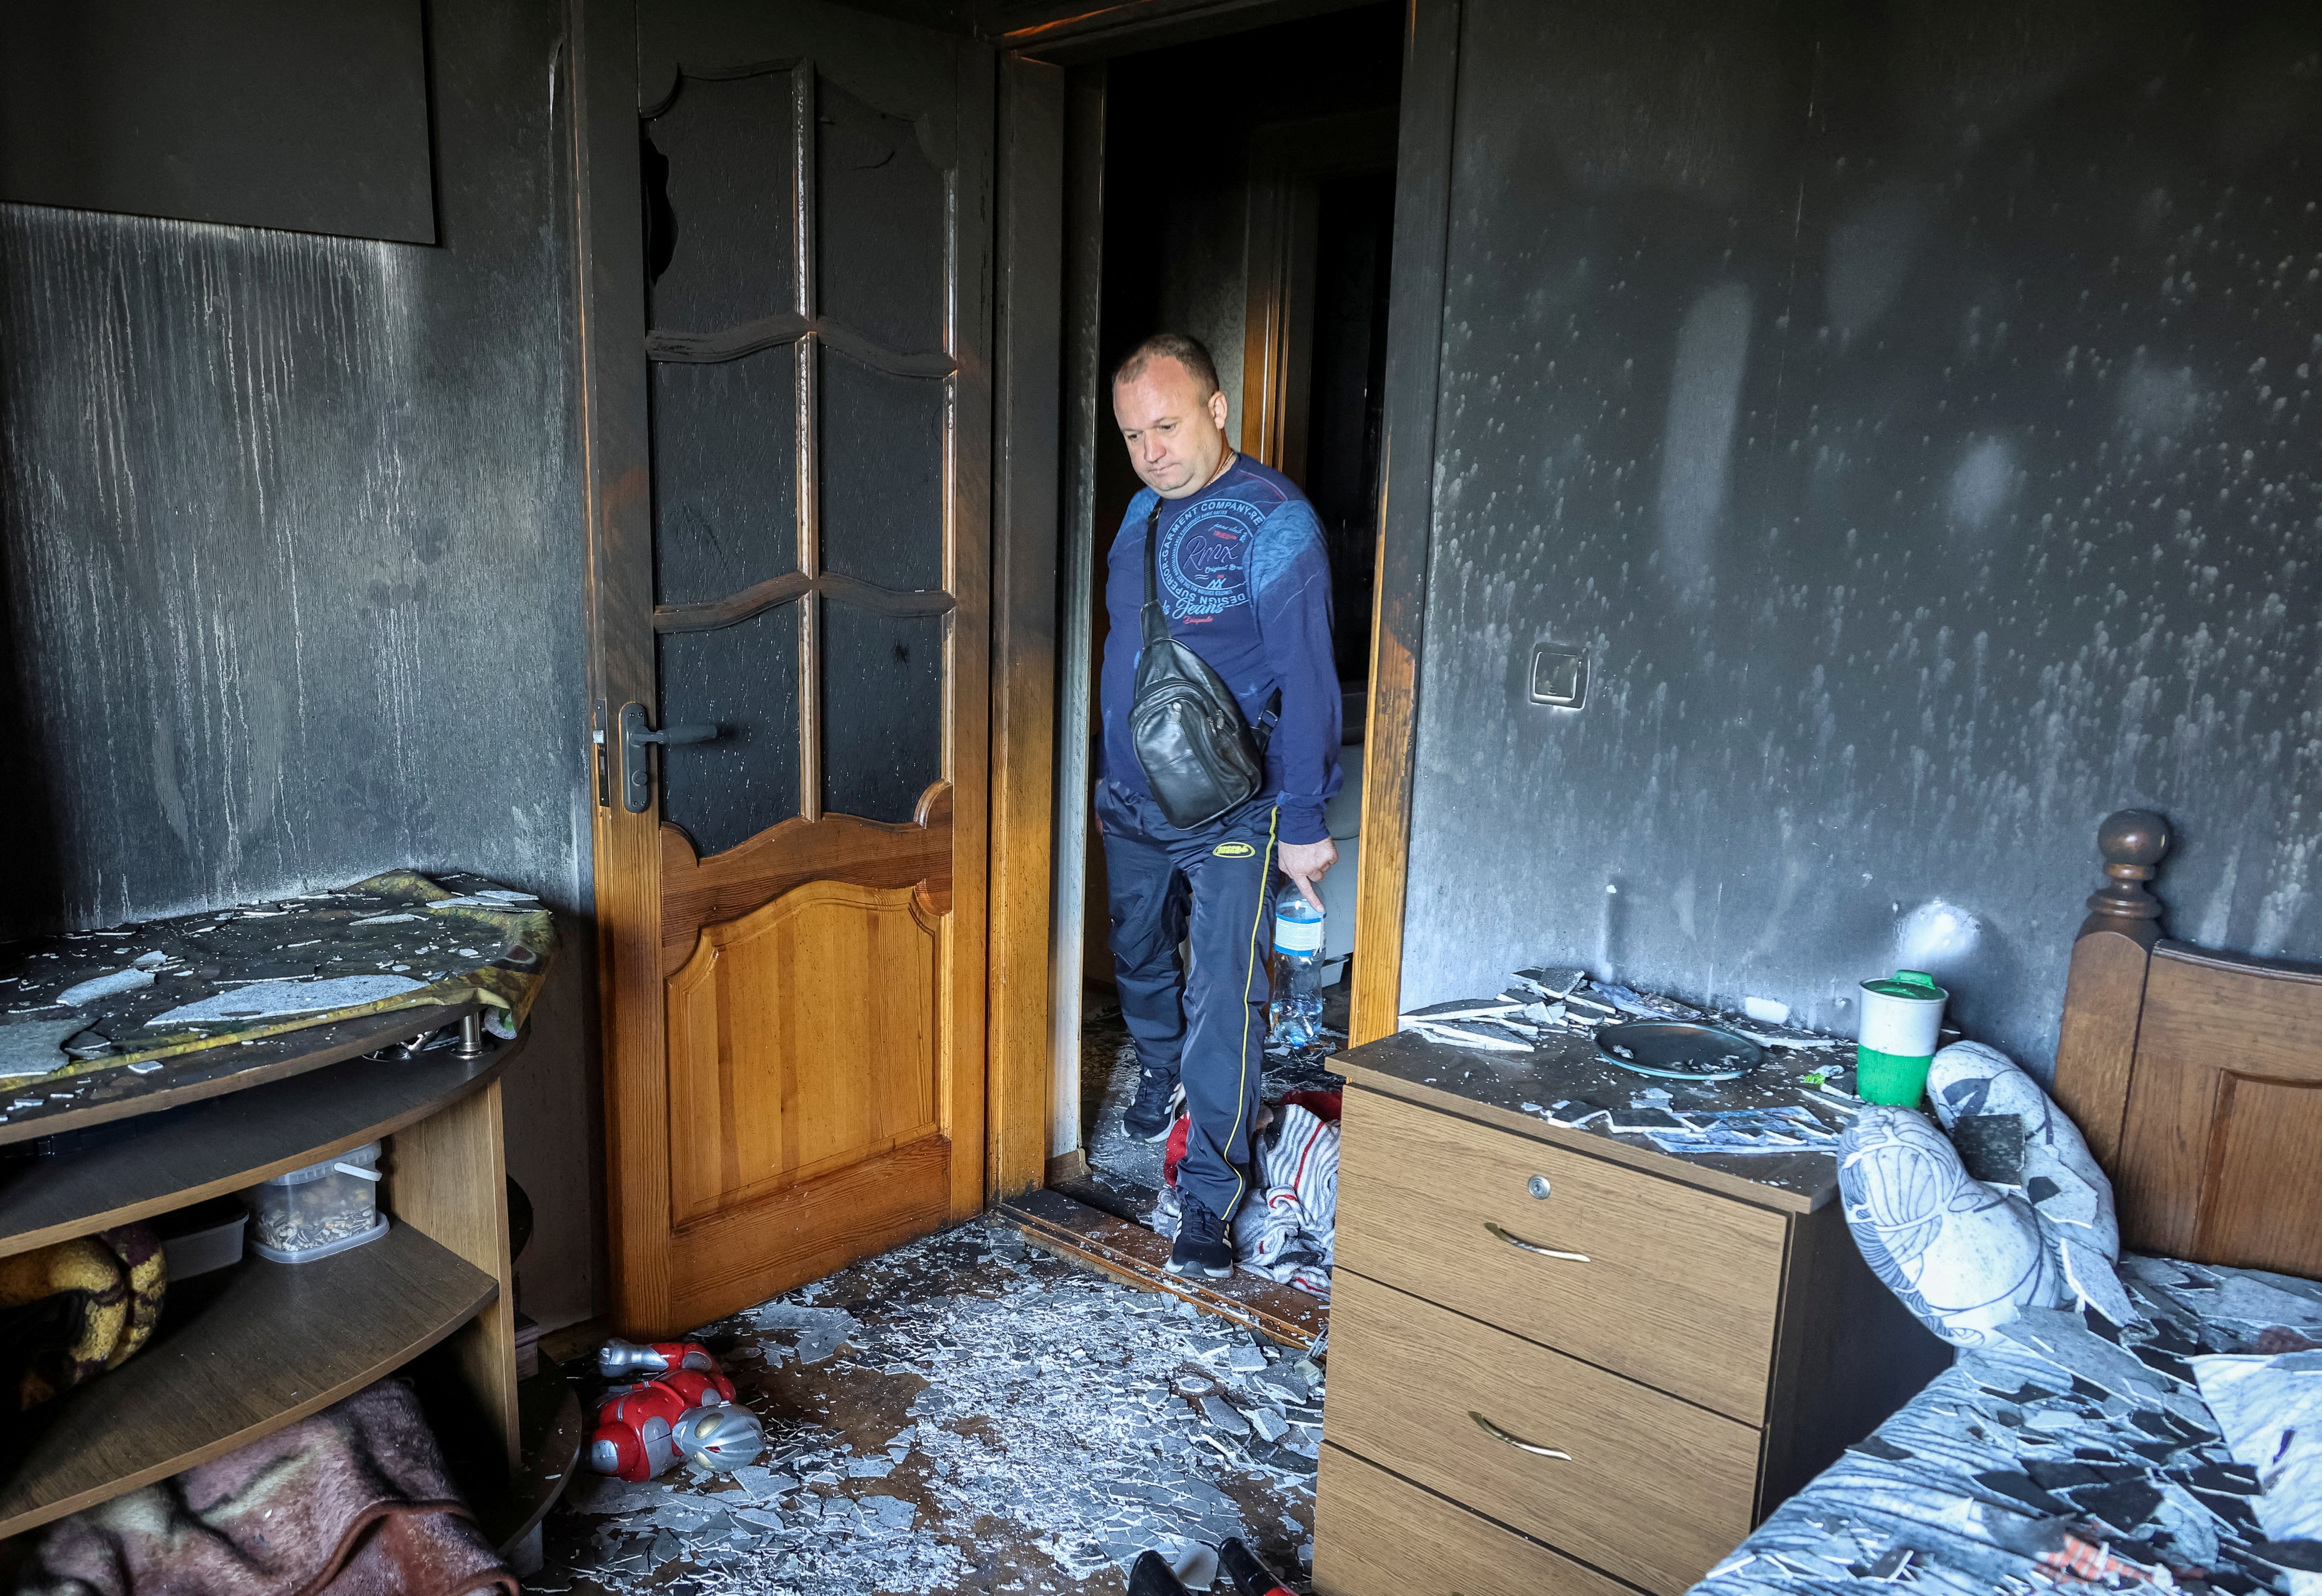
<point>1176,438</point>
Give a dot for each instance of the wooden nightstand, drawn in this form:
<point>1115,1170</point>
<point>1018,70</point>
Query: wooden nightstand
<point>1565,1361</point>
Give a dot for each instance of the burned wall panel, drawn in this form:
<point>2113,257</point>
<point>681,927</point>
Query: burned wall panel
<point>1911,410</point>
<point>289,529</point>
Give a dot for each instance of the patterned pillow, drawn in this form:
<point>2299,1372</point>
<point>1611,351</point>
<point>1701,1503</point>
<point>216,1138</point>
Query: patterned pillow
<point>1977,1091</point>
<point>1966,1254</point>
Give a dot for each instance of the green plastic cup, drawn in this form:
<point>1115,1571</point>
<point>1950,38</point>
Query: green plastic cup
<point>1902,1016</point>
<point>1890,1077</point>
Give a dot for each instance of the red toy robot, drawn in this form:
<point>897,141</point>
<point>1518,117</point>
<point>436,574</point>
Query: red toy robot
<point>686,1410</point>
<point>615,1358</point>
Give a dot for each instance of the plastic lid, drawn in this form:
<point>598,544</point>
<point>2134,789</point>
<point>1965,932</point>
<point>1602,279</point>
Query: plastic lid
<point>367,1154</point>
<point>1913,984</point>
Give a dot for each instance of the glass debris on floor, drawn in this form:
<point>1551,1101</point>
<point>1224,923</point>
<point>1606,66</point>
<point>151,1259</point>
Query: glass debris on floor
<point>1131,1169</point>
<point>1286,1232</point>
<point>967,1413</point>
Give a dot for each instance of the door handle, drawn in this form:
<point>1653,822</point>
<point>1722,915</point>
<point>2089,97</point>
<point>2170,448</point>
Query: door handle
<point>1522,1245</point>
<point>636,765</point>
<point>1497,1434</point>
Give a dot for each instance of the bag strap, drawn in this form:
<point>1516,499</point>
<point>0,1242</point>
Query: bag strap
<point>1155,620</point>
<point>1267,721</point>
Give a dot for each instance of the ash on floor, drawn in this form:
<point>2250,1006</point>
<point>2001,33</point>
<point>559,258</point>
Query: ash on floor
<point>1131,1170</point>
<point>967,1413</point>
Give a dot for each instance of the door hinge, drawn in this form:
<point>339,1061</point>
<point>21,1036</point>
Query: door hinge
<point>600,769</point>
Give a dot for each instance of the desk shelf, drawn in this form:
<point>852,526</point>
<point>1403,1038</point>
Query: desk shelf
<point>279,1342</point>
<point>282,1340</point>
<point>210,1148</point>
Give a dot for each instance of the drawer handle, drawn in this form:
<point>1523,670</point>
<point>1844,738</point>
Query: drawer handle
<point>1518,1241</point>
<point>1497,1434</point>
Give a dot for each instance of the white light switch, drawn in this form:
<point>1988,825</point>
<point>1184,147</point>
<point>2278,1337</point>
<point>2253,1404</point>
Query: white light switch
<point>1559,676</point>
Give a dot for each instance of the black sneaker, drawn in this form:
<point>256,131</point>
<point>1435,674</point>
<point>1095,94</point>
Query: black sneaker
<point>1151,1115</point>
<point>1202,1246</point>
<point>1250,1577</point>
<point>1153,1576</point>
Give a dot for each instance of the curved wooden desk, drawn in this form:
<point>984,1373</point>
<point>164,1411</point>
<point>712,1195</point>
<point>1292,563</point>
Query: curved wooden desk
<point>279,1342</point>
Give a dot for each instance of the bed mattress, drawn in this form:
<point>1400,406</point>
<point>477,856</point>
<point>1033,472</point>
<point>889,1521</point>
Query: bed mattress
<point>2066,1452</point>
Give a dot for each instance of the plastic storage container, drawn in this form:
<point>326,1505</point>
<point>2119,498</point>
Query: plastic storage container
<point>323,1208</point>
<point>202,1238</point>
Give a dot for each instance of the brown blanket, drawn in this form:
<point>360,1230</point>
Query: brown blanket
<point>352,1501</point>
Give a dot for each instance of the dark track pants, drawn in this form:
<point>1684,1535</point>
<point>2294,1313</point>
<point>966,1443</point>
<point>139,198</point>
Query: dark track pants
<point>1211,886</point>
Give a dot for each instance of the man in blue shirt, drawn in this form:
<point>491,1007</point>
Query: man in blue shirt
<point>1245,582</point>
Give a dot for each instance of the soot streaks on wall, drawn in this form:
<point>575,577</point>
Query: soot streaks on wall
<point>1912,409</point>
<point>293,564</point>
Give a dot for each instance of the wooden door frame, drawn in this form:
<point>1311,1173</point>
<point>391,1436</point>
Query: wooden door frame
<point>1044,665</point>
<point>1027,417</point>
<point>1425,142</point>
<point>608,290</point>
<point>1287,164</point>
<point>1049,249</point>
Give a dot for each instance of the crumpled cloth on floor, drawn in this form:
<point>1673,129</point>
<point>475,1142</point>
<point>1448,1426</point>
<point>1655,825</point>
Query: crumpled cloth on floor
<point>1287,1229</point>
<point>350,1501</point>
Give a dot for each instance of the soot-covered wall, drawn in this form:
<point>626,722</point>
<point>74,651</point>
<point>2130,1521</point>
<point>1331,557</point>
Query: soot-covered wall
<point>293,558</point>
<point>1911,408</point>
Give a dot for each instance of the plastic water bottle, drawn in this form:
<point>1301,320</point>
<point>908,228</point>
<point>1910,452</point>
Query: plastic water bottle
<point>1295,1014</point>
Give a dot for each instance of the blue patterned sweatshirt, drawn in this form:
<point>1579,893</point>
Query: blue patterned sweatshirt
<point>1245,582</point>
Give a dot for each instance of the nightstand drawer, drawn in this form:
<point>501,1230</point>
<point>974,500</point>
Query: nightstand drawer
<point>1680,1287</point>
<point>1377,1536</point>
<point>1653,1490</point>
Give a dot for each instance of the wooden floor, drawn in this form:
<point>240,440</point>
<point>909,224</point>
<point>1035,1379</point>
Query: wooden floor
<point>1136,1255</point>
<point>971,1413</point>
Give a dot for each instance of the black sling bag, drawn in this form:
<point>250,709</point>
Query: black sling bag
<point>1199,756</point>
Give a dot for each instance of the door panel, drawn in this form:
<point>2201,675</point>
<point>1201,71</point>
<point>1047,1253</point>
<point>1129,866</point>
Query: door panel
<point>721,175</point>
<point>725,474</point>
<point>883,740</point>
<point>743,678</point>
<point>795,983</point>
<point>802,1040</point>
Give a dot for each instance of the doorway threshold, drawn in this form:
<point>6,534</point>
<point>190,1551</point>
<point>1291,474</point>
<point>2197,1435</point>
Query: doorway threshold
<point>1129,1253</point>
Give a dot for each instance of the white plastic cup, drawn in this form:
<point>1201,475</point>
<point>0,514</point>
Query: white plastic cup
<point>1903,1014</point>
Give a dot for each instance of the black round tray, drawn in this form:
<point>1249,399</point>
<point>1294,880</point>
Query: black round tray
<point>1679,1049</point>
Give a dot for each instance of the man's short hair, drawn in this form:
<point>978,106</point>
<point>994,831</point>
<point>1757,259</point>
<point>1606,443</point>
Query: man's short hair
<point>1189,353</point>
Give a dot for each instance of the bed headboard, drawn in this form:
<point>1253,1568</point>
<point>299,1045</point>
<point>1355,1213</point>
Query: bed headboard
<point>2195,1077</point>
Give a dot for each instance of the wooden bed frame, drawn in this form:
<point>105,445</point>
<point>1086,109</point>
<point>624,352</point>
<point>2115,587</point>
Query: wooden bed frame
<point>2195,1077</point>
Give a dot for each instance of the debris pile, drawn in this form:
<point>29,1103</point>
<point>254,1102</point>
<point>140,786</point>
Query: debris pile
<point>1551,999</point>
<point>961,1405</point>
<point>1785,1128</point>
<point>1286,1229</point>
<point>151,995</point>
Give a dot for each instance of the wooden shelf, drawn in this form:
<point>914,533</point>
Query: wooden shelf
<point>549,1419</point>
<point>280,1342</point>
<point>76,1101</point>
<point>173,1160</point>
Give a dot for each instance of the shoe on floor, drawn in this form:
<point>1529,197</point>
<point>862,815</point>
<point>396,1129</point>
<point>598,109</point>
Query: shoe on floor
<point>1201,1245</point>
<point>1250,1577</point>
<point>1153,1576</point>
<point>1154,1111</point>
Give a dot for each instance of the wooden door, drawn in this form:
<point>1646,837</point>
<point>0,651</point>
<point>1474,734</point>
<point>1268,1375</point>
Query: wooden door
<point>791,407</point>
